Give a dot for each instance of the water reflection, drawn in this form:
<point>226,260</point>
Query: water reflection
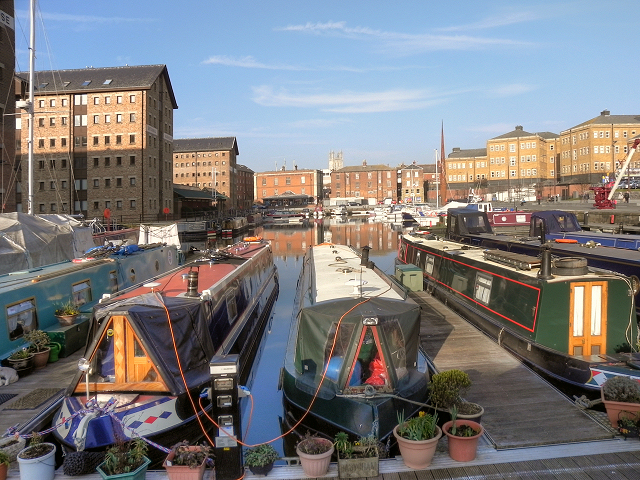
<point>289,243</point>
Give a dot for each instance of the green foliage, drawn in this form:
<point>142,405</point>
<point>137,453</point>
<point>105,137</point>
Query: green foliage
<point>125,457</point>
<point>364,447</point>
<point>37,448</point>
<point>67,308</point>
<point>621,389</point>
<point>314,445</point>
<point>447,388</point>
<point>462,430</point>
<point>422,427</point>
<point>190,457</point>
<point>4,458</point>
<point>39,340</point>
<point>20,354</point>
<point>260,455</point>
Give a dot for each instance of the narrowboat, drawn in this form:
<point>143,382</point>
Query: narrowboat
<point>30,297</point>
<point>234,226</point>
<point>148,362</point>
<point>557,315</point>
<point>353,360</point>
<point>284,216</point>
<point>473,228</point>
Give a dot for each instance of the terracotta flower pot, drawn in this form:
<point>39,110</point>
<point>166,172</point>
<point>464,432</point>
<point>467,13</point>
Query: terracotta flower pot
<point>315,465</point>
<point>184,472</point>
<point>463,449</point>
<point>417,453</point>
<point>618,410</point>
<point>40,359</point>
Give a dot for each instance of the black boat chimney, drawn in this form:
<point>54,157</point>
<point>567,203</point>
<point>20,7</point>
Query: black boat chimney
<point>365,256</point>
<point>545,266</point>
<point>192,284</point>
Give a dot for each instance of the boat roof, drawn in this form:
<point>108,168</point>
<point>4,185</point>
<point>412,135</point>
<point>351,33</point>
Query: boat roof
<point>339,273</point>
<point>526,265</point>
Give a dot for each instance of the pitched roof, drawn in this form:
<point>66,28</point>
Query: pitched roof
<point>210,144</point>
<point>107,79</point>
<point>366,168</point>
<point>605,118</point>
<point>469,153</point>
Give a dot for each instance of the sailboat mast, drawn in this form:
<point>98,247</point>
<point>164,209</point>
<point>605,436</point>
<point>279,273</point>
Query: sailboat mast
<point>32,56</point>
<point>443,171</point>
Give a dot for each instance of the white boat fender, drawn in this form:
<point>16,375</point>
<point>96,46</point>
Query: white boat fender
<point>80,435</point>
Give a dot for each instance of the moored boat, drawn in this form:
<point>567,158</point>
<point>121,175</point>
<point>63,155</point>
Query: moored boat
<point>559,317</point>
<point>353,360</point>
<point>30,297</point>
<point>284,216</point>
<point>472,227</point>
<point>234,226</point>
<point>152,345</point>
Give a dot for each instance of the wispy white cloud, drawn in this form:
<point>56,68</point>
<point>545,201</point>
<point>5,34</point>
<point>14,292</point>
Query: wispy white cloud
<point>347,102</point>
<point>77,18</point>
<point>495,21</point>
<point>403,43</point>
<point>250,62</point>
<point>313,123</point>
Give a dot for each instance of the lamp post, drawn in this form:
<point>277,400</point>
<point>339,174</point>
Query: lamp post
<point>437,182</point>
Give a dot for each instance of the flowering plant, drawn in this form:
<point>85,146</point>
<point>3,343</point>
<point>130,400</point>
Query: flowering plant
<point>422,427</point>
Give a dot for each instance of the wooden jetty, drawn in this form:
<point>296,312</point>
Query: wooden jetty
<point>532,430</point>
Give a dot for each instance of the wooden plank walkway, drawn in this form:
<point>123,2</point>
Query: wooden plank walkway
<point>521,409</point>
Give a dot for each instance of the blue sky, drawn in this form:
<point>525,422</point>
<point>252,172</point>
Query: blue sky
<point>293,80</point>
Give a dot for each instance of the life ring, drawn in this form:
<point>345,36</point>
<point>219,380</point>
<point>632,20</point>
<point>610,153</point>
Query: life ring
<point>566,240</point>
<point>252,239</point>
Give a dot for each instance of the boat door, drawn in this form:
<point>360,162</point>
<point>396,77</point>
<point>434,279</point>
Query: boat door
<point>588,318</point>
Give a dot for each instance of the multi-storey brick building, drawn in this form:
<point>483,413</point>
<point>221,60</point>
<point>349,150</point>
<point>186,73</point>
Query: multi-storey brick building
<point>302,186</point>
<point>366,182</point>
<point>209,162</point>
<point>7,107</point>
<point>103,139</point>
<point>411,182</point>
<point>244,187</point>
<point>512,162</point>
<point>597,148</point>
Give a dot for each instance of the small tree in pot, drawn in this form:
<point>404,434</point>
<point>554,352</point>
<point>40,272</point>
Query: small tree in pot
<point>621,398</point>
<point>446,391</point>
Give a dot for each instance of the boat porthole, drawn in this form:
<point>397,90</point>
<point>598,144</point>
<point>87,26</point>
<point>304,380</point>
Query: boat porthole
<point>132,275</point>
<point>157,266</point>
<point>635,284</point>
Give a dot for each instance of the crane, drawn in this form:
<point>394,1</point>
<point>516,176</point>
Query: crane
<point>604,193</point>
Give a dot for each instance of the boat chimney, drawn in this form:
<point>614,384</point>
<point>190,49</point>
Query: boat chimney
<point>545,266</point>
<point>192,284</point>
<point>365,256</point>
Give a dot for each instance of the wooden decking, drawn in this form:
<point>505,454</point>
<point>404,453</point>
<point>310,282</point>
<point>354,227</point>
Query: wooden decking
<point>521,409</point>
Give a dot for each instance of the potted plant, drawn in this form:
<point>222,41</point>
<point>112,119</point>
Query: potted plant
<point>11,446</point>
<point>260,459</point>
<point>446,390</point>
<point>4,465</point>
<point>621,398</point>
<point>356,459</point>
<point>39,341</point>
<point>187,462</point>
<point>66,313</point>
<point>125,460</point>
<point>315,455</point>
<point>628,426</point>
<point>37,461</point>
<point>21,361</point>
<point>417,439</point>
<point>463,436</point>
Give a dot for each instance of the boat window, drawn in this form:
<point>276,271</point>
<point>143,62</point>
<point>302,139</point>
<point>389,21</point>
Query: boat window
<point>396,344</point>
<point>113,281</point>
<point>428,264</point>
<point>232,308</point>
<point>81,292</point>
<point>588,318</point>
<point>120,362</point>
<point>482,291</point>
<point>21,318</point>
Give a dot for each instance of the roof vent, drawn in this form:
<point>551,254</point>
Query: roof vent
<point>519,127</point>
<point>605,113</point>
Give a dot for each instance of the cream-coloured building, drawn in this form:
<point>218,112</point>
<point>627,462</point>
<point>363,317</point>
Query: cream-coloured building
<point>596,148</point>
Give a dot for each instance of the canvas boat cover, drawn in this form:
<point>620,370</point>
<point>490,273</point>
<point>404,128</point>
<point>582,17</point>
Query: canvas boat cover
<point>316,322</point>
<point>30,241</point>
<point>160,234</point>
<point>190,322</point>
